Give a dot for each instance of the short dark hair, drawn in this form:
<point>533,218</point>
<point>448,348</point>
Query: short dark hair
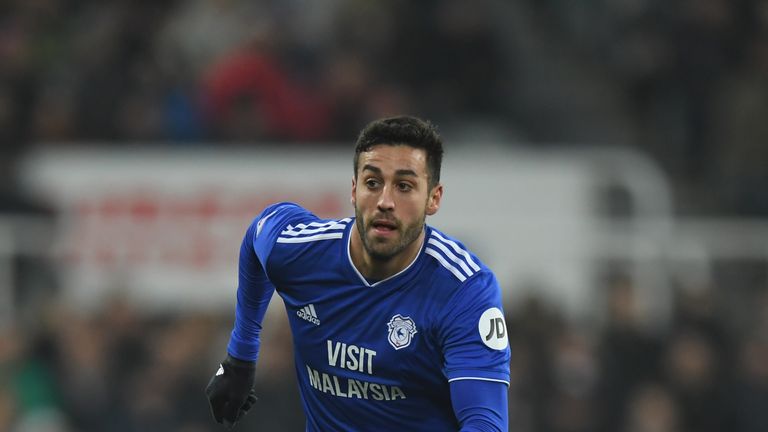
<point>404,130</point>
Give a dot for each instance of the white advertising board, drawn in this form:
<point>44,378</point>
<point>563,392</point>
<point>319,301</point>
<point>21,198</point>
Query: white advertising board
<point>164,227</point>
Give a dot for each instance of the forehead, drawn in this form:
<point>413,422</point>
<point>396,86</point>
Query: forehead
<point>395,157</point>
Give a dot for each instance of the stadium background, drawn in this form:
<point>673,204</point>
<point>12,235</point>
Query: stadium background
<point>607,158</point>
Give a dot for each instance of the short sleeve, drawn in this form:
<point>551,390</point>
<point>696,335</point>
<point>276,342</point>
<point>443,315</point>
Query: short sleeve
<point>474,334</point>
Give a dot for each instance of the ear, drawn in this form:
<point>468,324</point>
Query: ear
<point>433,202</point>
<point>354,190</point>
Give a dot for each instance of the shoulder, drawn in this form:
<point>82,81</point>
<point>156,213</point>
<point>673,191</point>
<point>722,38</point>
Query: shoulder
<point>459,275</point>
<point>278,214</point>
<point>287,228</point>
<point>286,224</point>
<point>454,260</point>
<point>290,240</point>
<point>313,229</point>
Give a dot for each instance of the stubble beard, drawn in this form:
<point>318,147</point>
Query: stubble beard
<point>386,251</point>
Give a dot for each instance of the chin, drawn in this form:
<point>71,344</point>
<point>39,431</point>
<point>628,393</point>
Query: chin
<point>382,253</point>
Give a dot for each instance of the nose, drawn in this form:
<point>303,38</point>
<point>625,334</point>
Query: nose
<point>386,201</point>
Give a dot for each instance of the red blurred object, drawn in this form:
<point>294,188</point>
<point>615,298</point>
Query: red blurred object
<point>247,95</point>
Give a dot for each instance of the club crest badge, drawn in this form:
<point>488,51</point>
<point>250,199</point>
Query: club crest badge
<point>401,331</point>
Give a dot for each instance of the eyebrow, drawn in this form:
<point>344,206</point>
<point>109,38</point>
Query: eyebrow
<point>400,172</point>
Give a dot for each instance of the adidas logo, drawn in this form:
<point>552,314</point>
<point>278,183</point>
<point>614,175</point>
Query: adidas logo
<point>308,313</point>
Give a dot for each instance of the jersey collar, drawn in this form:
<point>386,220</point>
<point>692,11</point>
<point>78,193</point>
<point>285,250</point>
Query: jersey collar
<point>408,267</point>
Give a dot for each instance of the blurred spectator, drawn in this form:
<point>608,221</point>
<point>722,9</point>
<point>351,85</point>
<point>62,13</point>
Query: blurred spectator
<point>628,354</point>
<point>691,368</point>
<point>532,327</point>
<point>651,409</point>
<point>749,396</point>
<point>82,371</point>
<point>28,399</point>
<point>705,35</point>
<point>199,32</point>
<point>449,57</point>
<point>355,94</point>
<point>22,30</point>
<point>696,312</point>
<point>743,108</point>
<point>248,95</point>
<point>7,408</point>
<point>573,407</point>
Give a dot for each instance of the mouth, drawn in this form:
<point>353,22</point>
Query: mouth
<point>384,226</point>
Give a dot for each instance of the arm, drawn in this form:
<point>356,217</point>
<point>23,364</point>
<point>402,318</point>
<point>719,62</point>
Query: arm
<point>254,292</point>
<point>230,391</point>
<point>476,355</point>
<point>480,406</point>
<point>255,289</point>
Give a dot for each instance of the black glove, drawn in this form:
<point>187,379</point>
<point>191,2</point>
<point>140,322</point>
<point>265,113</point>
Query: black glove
<point>230,391</point>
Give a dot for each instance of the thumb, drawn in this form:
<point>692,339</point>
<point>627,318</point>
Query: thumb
<point>249,401</point>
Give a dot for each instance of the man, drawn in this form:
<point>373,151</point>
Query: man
<point>395,325</point>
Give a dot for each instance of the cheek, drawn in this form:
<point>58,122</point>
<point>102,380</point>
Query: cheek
<point>361,199</point>
<point>414,208</point>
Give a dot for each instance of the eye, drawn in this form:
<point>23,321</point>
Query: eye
<point>404,187</point>
<point>372,183</point>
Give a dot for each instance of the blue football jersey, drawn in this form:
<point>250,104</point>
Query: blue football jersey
<point>371,355</point>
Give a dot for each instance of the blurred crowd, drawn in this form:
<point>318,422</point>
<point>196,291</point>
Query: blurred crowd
<point>683,81</point>
<point>702,372</point>
<point>692,78</point>
<point>232,70</point>
<point>118,369</point>
<point>123,370</point>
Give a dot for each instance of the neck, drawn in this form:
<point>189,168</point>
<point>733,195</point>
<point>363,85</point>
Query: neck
<point>380,269</point>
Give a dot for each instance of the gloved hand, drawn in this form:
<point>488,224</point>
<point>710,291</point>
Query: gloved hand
<point>230,392</point>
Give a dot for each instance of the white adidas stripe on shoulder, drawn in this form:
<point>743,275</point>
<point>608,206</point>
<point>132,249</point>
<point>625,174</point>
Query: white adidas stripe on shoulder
<point>314,231</point>
<point>451,256</point>
<point>303,226</point>
<point>308,231</point>
<point>326,236</point>
<point>458,249</point>
<point>456,272</point>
